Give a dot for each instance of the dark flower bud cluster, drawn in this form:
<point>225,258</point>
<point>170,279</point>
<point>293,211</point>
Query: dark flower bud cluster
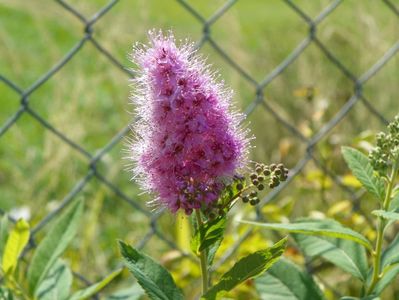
<point>231,192</point>
<point>387,150</point>
<point>271,175</point>
<point>246,188</point>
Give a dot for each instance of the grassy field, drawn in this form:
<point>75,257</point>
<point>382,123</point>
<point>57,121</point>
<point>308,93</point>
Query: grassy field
<point>87,100</point>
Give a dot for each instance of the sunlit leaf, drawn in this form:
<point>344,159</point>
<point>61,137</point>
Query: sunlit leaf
<point>16,243</point>
<point>362,169</point>
<point>153,278</point>
<point>248,267</point>
<point>315,227</point>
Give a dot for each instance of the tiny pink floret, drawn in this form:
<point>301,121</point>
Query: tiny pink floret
<point>189,142</point>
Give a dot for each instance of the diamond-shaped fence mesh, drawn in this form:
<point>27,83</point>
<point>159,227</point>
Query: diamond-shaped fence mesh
<point>260,103</point>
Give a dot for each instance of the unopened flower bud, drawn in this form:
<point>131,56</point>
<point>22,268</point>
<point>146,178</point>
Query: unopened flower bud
<point>253,202</point>
<point>266,172</point>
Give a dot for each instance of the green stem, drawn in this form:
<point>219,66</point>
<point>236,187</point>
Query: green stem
<point>380,232</point>
<point>203,257</point>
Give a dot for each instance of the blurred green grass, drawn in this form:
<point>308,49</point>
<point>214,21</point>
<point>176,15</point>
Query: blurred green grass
<point>87,100</point>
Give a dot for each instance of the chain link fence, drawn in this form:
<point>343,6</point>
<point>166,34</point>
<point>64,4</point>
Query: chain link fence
<point>259,102</point>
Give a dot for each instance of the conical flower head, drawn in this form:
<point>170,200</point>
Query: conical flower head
<point>188,140</point>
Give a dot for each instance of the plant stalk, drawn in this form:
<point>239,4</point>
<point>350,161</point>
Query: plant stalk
<point>380,231</point>
<point>203,257</point>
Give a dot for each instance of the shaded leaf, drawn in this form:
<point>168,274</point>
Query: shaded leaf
<point>362,169</point>
<point>285,281</point>
<point>16,242</point>
<point>154,278</point>
<point>53,245</point>
<point>345,254</point>
<point>248,267</point>
<point>95,288</point>
<point>57,284</point>
<point>313,227</point>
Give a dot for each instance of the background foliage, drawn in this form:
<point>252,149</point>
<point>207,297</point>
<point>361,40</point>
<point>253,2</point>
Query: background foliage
<point>312,75</point>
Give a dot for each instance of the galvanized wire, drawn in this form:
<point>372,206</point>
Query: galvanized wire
<point>259,102</point>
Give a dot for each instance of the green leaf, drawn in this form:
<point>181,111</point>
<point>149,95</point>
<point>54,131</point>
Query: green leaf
<point>248,267</point>
<point>388,215</point>
<point>391,253</point>
<point>212,232</point>
<point>57,284</point>
<point>154,279</point>
<point>208,234</point>
<point>16,243</point>
<point>53,245</point>
<point>388,277</point>
<point>211,252</point>
<point>3,234</point>
<point>394,204</point>
<point>284,280</point>
<point>362,169</point>
<point>135,292</point>
<point>209,238</point>
<point>347,255</point>
<point>314,228</point>
<point>95,288</point>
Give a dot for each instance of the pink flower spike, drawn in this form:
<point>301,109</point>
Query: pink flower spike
<point>188,141</point>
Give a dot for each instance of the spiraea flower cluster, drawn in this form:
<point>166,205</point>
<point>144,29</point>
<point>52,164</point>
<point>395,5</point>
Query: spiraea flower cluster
<point>188,142</point>
<point>387,150</point>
